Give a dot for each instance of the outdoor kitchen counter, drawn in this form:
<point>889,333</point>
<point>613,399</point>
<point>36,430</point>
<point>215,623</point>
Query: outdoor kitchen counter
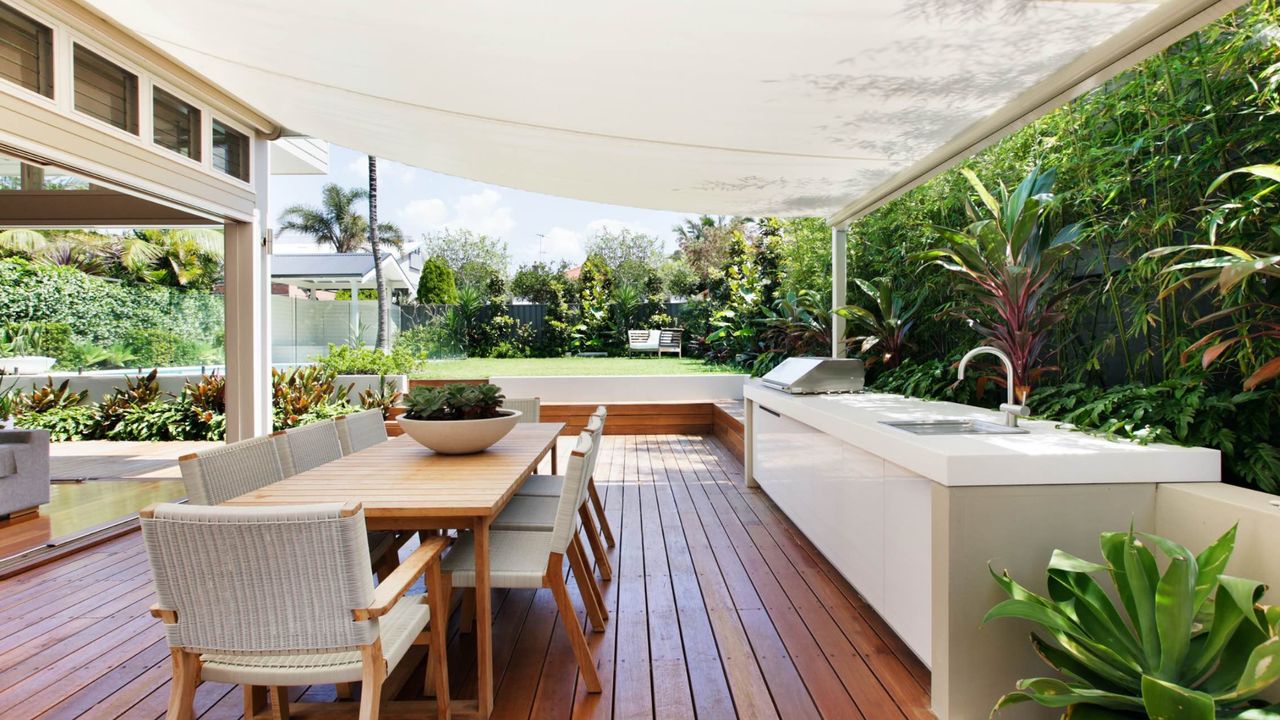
<point>913,521</point>
<point>1047,455</point>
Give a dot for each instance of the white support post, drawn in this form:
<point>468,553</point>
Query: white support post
<point>839,286</point>
<point>354,315</point>
<point>248,314</point>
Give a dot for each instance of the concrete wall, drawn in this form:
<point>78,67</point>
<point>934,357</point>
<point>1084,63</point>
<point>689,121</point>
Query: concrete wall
<point>611,389</point>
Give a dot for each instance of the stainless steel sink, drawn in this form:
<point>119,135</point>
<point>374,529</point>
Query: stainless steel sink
<point>957,426</point>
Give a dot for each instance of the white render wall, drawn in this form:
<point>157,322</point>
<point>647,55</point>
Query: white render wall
<point>631,388</point>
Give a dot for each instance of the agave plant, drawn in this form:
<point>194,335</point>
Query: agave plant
<point>1188,644</point>
<point>1251,318</point>
<point>886,324</point>
<point>457,401</point>
<point>1011,262</point>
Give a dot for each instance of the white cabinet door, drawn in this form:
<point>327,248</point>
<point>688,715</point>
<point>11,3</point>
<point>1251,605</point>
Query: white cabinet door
<point>908,599</point>
<point>854,512</point>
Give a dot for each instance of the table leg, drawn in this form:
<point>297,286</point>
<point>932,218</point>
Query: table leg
<point>553,459</point>
<point>484,622</point>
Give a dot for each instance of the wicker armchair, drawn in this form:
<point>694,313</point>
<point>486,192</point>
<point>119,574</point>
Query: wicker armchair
<point>360,430</point>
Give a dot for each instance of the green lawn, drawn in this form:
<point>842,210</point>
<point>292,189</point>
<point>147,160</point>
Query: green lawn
<point>489,367</point>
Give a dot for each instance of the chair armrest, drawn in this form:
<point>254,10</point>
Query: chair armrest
<point>390,591</point>
<point>168,616</point>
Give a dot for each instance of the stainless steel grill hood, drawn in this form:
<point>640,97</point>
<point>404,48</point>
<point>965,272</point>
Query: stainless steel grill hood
<point>816,375</point>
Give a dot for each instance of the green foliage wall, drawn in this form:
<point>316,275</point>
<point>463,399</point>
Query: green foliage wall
<point>101,311</point>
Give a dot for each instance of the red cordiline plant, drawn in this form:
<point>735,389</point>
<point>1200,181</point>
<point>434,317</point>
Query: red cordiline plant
<point>1010,263</point>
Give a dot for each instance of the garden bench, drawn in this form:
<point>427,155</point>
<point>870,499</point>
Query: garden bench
<point>656,341</point>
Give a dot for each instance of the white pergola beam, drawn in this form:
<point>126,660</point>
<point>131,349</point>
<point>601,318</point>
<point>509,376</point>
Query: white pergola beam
<point>839,286</point>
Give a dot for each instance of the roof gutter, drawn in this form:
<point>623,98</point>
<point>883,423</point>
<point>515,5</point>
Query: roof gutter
<point>1172,21</point>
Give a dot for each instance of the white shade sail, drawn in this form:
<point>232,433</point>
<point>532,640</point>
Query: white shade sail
<point>730,107</point>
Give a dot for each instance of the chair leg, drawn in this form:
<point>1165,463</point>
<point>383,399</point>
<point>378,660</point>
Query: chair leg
<point>603,565</point>
<point>255,701</point>
<point>182,691</point>
<point>599,506</point>
<point>279,702</point>
<point>438,672</point>
<point>569,619</point>
<point>467,615</point>
<point>374,672</point>
<point>590,600</point>
<point>438,653</point>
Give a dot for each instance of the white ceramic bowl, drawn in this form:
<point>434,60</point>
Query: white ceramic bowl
<point>460,437</point>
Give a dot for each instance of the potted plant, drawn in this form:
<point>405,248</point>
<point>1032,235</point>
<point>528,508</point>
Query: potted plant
<point>457,419</point>
<point>1191,643</point>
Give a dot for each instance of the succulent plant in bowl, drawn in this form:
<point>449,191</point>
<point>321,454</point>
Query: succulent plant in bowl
<point>457,419</point>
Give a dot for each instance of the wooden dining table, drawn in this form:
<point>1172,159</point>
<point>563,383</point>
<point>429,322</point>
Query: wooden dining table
<point>404,486</point>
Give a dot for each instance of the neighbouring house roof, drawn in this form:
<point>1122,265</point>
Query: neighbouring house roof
<point>339,270</point>
<point>792,108</point>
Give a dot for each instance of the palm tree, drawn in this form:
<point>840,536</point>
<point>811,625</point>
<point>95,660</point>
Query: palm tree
<point>375,247</point>
<point>337,222</point>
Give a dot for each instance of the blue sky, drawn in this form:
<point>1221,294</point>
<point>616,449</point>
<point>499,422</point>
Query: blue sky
<point>420,201</point>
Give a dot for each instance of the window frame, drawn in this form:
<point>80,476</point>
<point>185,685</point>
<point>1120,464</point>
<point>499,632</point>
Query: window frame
<point>55,32</point>
<point>248,149</point>
<point>198,125</point>
<point>138,86</point>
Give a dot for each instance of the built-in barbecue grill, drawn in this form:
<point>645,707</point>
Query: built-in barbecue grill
<point>816,375</point>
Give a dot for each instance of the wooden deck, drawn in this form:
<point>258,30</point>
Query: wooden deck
<point>720,608</point>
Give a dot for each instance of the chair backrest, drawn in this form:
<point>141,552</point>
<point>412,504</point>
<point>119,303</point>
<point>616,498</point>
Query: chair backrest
<point>306,447</point>
<point>217,475</point>
<point>530,408</point>
<point>670,337</point>
<point>595,426</point>
<point>638,336</point>
<point>360,430</point>
<point>261,579</point>
<point>575,483</point>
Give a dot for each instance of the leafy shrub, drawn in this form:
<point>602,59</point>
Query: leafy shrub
<point>138,392</point>
<point>1197,644</point>
<point>457,401</point>
<point>158,421</point>
<point>305,392</point>
<point>437,285</point>
<point>424,340</point>
<point>151,347</point>
<point>348,360</point>
<point>68,422</point>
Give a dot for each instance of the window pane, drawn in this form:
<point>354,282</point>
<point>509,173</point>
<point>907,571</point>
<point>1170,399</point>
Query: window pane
<point>177,124</point>
<point>26,51</point>
<point>106,90</point>
<point>230,151</point>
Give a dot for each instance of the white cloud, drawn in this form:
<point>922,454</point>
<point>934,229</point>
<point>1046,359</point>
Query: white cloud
<point>483,213</point>
<point>421,216</point>
<point>359,165</point>
<point>554,245</point>
<point>615,225</point>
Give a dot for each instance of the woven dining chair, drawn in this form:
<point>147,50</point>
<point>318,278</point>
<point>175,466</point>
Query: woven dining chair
<point>530,408</point>
<point>538,512</point>
<point>360,430</point>
<point>215,476</point>
<point>549,486</point>
<point>273,597</point>
<point>535,559</point>
<point>306,447</point>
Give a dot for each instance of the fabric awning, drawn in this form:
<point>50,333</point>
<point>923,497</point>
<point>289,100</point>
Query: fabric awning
<point>717,106</point>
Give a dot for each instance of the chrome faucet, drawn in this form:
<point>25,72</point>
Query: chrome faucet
<point>1012,410</point>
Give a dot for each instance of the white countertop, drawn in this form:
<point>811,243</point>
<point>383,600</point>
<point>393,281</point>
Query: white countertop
<point>1047,455</point>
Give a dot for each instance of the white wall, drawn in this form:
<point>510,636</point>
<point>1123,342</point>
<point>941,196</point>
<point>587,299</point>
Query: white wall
<point>632,388</point>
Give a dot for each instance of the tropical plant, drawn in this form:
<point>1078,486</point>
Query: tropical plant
<point>1010,262</point>
<point>457,401</point>
<point>71,422</point>
<point>303,390</point>
<point>137,392</point>
<point>885,324</point>
<point>626,303</point>
<point>336,222</point>
<point>207,397</point>
<point>799,324</point>
<point>436,284</point>
<point>49,397</point>
<point>384,397</point>
<point>375,246</point>
<point>1252,312</point>
<point>1191,643</point>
